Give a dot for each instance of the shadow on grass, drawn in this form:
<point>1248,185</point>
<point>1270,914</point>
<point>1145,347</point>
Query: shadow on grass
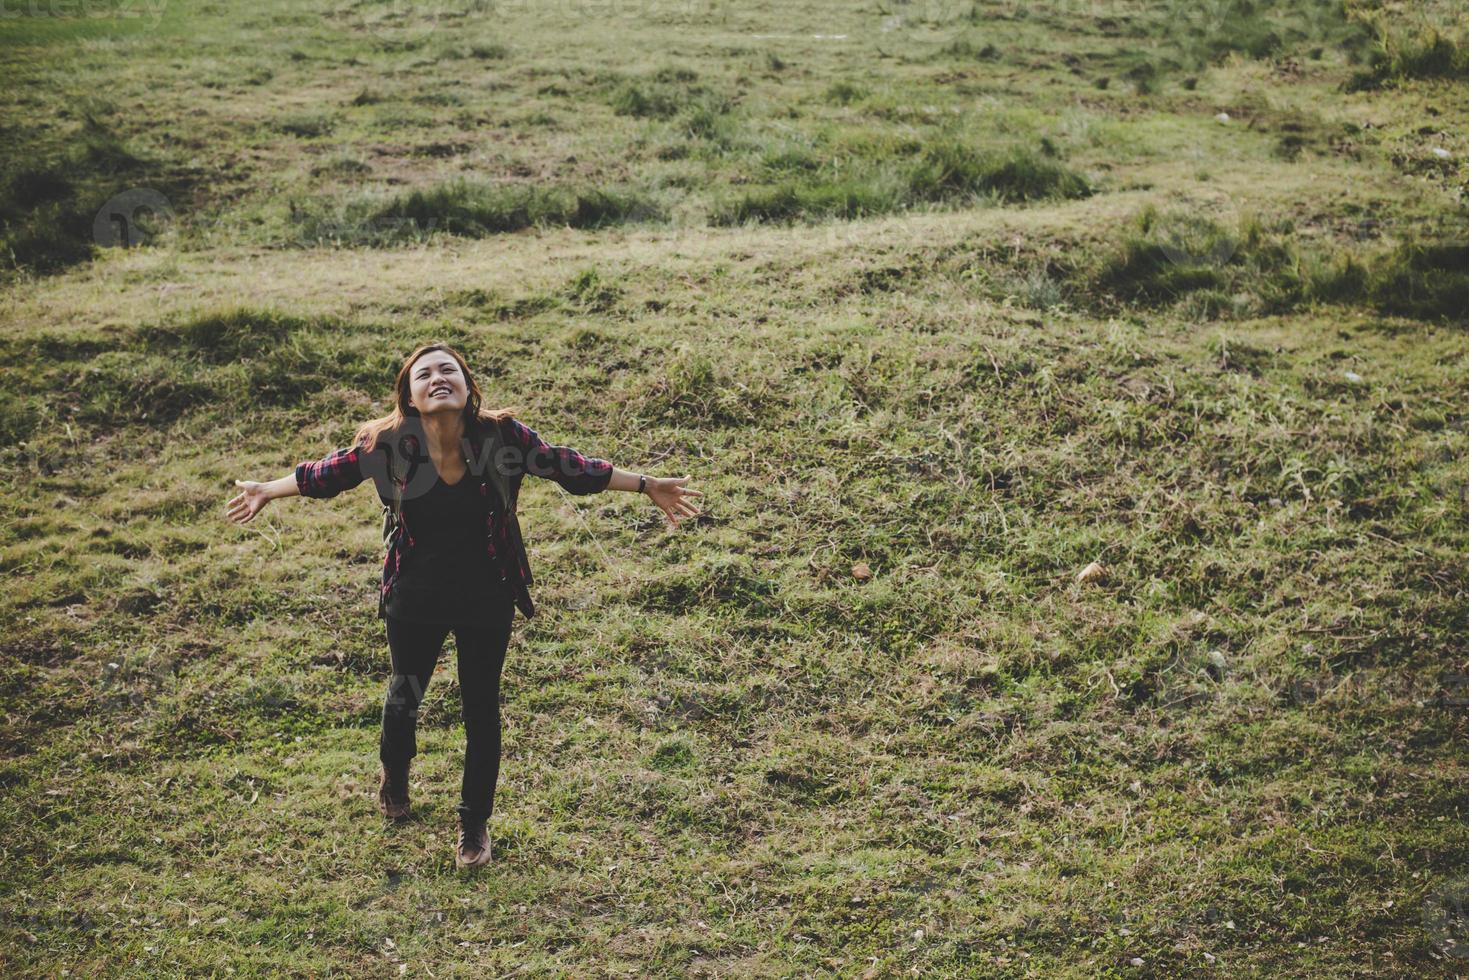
<point>470,210</point>
<point>1202,267</point>
<point>49,205</point>
<point>944,172</point>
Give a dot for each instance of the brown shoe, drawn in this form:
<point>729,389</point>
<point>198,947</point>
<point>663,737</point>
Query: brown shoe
<point>392,793</point>
<point>473,848</point>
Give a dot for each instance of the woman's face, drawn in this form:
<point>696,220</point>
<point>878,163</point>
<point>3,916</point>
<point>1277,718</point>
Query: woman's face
<point>435,384</point>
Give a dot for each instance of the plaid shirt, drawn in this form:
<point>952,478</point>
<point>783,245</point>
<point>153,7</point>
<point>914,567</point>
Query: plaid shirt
<point>521,451</point>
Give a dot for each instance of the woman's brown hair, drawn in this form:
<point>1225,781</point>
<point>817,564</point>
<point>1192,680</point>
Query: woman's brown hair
<point>481,427</point>
<point>475,414</point>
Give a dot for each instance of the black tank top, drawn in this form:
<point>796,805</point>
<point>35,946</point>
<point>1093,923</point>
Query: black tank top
<point>447,576</point>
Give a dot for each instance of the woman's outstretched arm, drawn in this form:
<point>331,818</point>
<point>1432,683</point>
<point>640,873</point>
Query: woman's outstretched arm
<point>668,492</point>
<point>528,453</point>
<point>253,497</point>
<point>340,470</point>
<point>580,474</point>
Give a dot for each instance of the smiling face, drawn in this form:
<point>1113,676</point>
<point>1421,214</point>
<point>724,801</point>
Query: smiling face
<point>435,384</point>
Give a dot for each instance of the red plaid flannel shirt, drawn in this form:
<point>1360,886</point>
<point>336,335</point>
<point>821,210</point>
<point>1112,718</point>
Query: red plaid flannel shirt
<point>344,468</point>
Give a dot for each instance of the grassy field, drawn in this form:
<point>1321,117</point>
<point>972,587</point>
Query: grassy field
<point>972,294</point>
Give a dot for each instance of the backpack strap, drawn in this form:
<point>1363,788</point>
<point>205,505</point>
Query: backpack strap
<point>392,513</point>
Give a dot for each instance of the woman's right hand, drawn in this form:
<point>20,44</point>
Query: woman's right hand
<point>251,499</point>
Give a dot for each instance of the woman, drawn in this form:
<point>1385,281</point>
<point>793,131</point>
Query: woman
<point>448,474</point>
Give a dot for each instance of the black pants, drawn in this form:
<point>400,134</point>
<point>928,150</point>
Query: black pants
<point>415,651</point>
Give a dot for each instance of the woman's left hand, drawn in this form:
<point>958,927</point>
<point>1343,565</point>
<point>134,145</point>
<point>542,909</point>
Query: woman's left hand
<point>672,497</point>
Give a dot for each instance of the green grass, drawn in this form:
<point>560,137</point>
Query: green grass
<point>49,203</point>
<point>471,210</point>
<point>945,172</point>
<point>1198,266</point>
<point>973,296</point>
<point>1401,55</point>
